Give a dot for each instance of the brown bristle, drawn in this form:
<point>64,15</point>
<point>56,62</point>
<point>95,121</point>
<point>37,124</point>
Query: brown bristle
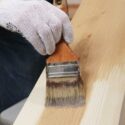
<point>65,96</point>
<point>70,101</point>
<point>67,82</point>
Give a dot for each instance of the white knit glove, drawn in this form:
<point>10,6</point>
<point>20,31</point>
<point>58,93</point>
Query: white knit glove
<point>41,23</point>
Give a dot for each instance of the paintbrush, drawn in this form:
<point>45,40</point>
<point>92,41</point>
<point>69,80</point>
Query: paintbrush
<point>64,84</point>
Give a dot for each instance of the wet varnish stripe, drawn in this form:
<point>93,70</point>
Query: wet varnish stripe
<point>61,116</point>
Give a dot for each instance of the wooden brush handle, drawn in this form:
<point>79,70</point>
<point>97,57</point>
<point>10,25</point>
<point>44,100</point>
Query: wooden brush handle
<point>62,54</point>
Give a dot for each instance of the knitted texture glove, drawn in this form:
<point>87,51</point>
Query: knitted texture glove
<point>41,23</point>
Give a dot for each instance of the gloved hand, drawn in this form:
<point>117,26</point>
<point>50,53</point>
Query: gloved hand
<point>41,23</point>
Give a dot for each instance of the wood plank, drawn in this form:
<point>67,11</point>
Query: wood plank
<point>99,40</point>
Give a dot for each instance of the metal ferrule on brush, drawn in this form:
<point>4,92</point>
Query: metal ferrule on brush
<point>70,69</point>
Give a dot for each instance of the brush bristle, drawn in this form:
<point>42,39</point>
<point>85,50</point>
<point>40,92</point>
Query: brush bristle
<point>65,92</point>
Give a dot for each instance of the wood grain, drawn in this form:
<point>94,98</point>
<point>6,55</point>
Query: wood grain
<point>99,41</point>
<point>99,28</point>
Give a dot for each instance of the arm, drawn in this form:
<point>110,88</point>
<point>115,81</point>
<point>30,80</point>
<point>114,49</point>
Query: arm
<point>39,22</point>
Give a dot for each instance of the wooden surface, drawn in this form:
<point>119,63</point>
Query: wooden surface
<point>99,28</point>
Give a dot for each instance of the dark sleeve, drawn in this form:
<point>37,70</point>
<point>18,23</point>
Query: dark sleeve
<point>20,67</point>
<point>50,1</point>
